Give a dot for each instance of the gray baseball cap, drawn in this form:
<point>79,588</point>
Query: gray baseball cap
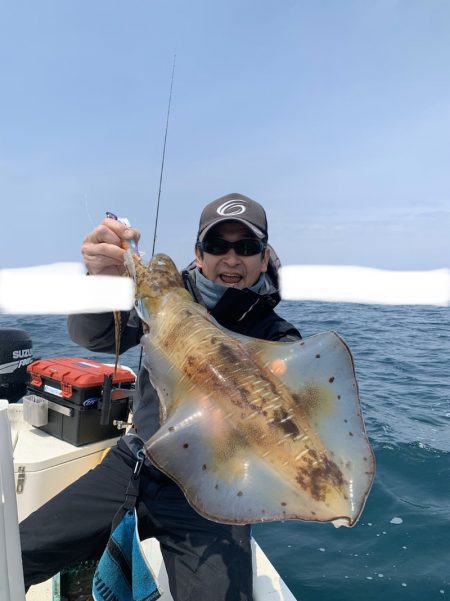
<point>234,207</point>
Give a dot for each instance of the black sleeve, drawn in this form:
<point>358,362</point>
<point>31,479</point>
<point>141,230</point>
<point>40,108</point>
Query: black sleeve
<point>96,331</point>
<point>281,330</point>
<point>291,335</point>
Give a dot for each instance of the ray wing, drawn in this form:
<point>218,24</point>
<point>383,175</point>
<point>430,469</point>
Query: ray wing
<point>320,372</point>
<point>244,469</point>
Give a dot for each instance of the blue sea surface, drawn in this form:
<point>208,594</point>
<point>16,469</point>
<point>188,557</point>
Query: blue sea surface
<point>400,548</point>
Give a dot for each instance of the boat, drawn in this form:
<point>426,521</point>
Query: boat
<point>44,465</point>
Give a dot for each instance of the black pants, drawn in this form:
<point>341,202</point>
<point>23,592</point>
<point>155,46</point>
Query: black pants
<point>204,560</point>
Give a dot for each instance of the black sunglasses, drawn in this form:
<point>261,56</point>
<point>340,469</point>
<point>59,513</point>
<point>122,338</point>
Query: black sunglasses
<point>246,247</point>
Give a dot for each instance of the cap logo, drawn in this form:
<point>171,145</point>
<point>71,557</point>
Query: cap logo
<point>231,207</point>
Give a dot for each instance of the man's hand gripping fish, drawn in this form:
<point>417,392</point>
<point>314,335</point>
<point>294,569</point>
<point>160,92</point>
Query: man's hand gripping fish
<point>251,430</point>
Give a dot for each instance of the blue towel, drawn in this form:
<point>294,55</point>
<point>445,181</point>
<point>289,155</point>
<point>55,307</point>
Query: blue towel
<point>123,573</point>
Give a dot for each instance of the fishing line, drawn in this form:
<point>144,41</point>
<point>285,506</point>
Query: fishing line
<point>86,207</point>
<point>163,155</point>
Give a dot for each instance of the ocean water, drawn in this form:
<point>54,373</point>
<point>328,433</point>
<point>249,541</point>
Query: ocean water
<point>400,548</point>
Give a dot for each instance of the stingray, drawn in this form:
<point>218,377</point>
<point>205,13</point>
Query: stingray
<point>251,430</point>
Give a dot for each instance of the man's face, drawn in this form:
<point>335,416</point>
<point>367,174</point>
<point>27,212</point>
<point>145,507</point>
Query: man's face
<point>232,269</point>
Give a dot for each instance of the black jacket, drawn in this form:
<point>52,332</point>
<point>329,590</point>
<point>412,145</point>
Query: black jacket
<point>241,311</point>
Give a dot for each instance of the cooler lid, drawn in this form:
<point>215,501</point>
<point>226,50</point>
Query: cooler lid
<point>36,450</point>
<point>79,372</point>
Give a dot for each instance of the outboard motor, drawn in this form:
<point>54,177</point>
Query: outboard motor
<point>16,353</point>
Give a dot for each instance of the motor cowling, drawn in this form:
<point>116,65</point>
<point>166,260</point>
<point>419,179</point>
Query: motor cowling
<point>16,352</point>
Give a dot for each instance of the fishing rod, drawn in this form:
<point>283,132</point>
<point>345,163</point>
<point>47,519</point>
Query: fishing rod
<point>161,174</point>
<point>163,155</point>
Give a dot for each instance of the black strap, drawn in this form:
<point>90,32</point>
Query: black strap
<point>132,492</point>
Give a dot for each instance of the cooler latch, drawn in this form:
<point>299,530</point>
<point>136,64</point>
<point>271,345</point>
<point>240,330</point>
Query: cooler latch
<point>66,390</point>
<point>36,380</point>
<point>20,479</point>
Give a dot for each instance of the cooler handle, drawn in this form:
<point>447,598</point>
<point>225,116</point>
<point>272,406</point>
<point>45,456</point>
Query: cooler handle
<point>60,409</point>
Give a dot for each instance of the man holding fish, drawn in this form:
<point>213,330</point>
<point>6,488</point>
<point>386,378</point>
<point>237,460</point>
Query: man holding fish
<point>234,277</point>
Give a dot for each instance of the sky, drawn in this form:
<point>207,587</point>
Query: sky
<point>334,115</point>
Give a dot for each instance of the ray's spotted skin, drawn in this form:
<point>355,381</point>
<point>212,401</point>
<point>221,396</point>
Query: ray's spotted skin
<point>251,430</point>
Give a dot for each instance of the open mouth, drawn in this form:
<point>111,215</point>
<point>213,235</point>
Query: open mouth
<point>230,279</point>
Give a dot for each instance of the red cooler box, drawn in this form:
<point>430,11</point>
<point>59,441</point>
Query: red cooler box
<point>84,397</point>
